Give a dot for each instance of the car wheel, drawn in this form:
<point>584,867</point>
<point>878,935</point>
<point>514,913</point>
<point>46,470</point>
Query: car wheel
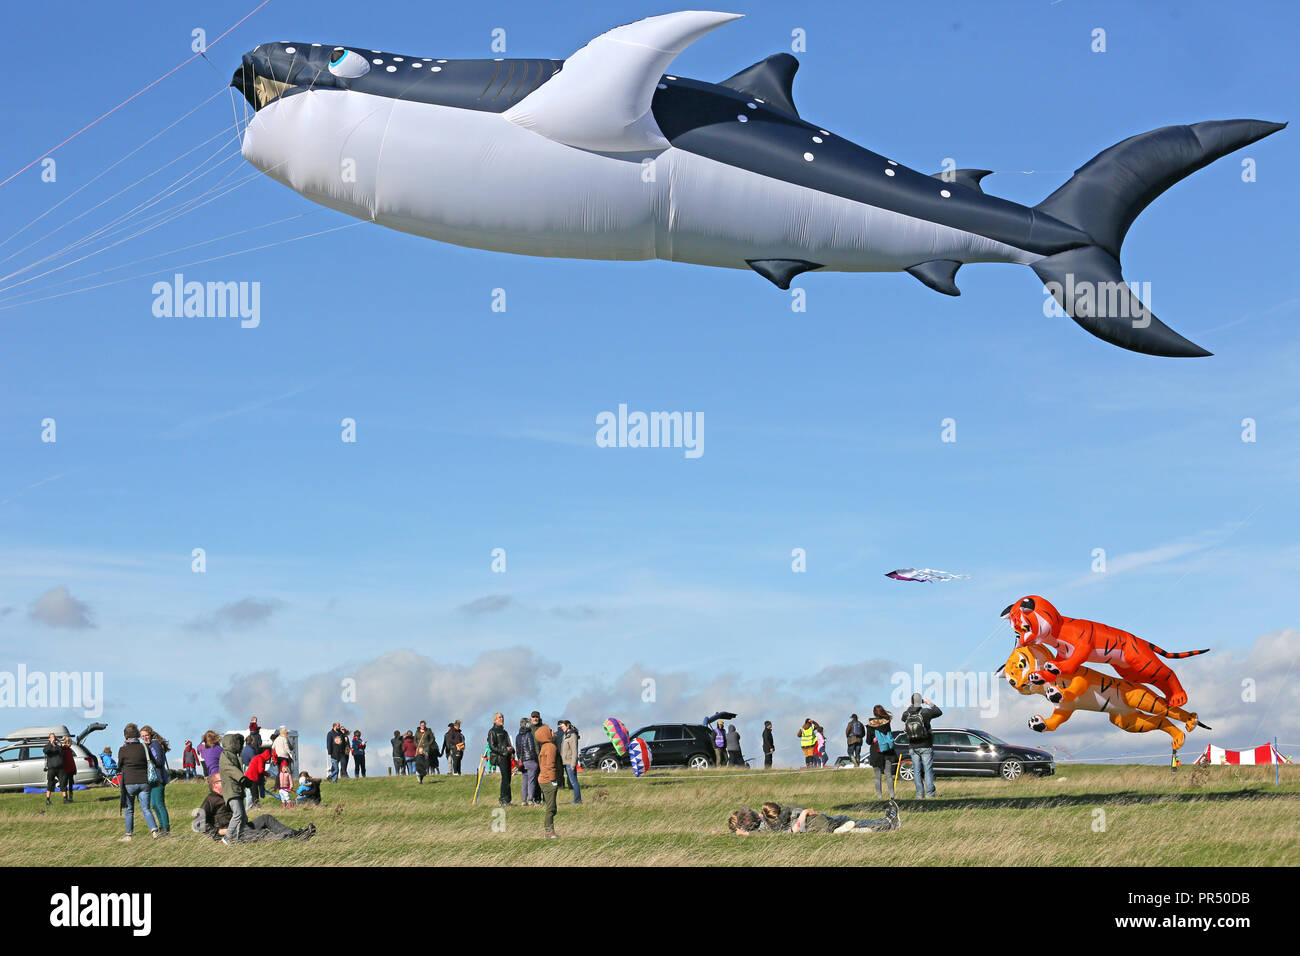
<point>906,772</point>
<point>699,762</point>
<point>1012,769</point>
<point>608,764</point>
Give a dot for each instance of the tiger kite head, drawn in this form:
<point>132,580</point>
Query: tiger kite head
<point>1033,618</point>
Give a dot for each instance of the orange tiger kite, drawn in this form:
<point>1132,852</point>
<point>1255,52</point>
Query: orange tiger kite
<point>1077,641</point>
<point>1129,706</point>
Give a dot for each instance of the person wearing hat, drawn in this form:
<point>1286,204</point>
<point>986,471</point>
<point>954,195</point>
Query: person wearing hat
<point>854,734</point>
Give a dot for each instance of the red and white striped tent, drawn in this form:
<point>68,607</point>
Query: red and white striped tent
<point>1263,754</point>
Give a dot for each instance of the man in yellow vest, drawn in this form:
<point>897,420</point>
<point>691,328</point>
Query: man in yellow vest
<point>808,743</point>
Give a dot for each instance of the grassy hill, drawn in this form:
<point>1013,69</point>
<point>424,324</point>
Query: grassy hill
<point>1086,815</point>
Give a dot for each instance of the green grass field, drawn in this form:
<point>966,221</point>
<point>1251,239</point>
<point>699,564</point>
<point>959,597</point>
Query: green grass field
<point>1087,815</point>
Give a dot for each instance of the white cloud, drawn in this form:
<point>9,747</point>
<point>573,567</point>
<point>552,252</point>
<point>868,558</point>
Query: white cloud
<point>58,608</point>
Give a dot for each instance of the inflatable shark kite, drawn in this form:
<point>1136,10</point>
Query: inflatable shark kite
<point>605,156</point>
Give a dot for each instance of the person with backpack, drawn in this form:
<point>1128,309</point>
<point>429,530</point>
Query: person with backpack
<point>854,734</point>
<point>880,751</point>
<point>529,762</point>
<point>720,745</point>
<point>920,741</point>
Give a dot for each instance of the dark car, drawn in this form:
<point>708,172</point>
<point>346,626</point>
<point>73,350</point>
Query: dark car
<point>671,745</point>
<point>973,753</point>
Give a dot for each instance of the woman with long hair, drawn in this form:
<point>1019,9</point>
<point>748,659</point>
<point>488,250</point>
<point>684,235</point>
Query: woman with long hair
<point>156,746</point>
<point>210,753</point>
<point>882,756</point>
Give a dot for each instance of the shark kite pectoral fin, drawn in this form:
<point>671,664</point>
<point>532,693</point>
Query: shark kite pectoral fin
<point>938,274</point>
<point>600,99</point>
<point>780,272</point>
<point>771,80</point>
<point>970,178</point>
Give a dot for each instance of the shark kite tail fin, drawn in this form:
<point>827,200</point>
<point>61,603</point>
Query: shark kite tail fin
<point>1102,199</point>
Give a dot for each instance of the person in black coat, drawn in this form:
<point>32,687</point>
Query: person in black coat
<point>769,744</point>
<point>500,751</point>
<point>53,767</point>
<point>399,762</point>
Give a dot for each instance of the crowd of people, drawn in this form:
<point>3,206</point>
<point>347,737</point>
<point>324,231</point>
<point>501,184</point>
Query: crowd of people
<point>237,768</point>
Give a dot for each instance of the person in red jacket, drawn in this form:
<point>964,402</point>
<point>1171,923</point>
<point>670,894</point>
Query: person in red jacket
<point>189,759</point>
<point>260,766</point>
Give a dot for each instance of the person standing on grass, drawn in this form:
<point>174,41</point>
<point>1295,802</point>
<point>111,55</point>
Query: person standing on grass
<point>734,757</point>
<point>424,743</point>
<point>281,747</point>
<point>408,752</point>
<point>547,777</point>
<point>453,747</point>
<point>569,757</point>
<point>336,747</point>
<point>359,753</point>
<point>719,745</point>
<point>344,751</point>
<point>820,737</point>
<point>808,742</point>
<point>189,759</point>
<point>399,758</point>
<point>69,768</point>
<point>920,741</point>
<point>232,786</point>
<point>881,753</point>
<point>53,751</point>
<point>769,745</point>
<point>210,753</point>
<point>133,760</point>
<point>158,775</point>
<point>526,754</point>
<point>854,734</point>
<point>500,751</point>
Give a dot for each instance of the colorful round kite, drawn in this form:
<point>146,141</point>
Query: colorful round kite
<point>640,756</point>
<point>618,735</point>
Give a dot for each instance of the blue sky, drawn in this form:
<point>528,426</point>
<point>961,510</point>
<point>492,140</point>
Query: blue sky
<point>476,429</point>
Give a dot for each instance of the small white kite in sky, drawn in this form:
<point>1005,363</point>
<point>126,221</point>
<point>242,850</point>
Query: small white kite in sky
<point>923,574</point>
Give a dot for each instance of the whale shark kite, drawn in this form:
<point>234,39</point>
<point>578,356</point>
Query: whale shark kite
<point>606,156</point>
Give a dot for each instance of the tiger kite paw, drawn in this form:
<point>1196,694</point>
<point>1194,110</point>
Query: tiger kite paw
<point>1037,723</point>
<point>1053,694</point>
<point>1051,668</point>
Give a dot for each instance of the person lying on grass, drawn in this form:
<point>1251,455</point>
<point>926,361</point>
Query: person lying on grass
<point>213,817</point>
<point>781,819</point>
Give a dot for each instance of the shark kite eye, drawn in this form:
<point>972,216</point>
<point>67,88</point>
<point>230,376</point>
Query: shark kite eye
<point>347,64</point>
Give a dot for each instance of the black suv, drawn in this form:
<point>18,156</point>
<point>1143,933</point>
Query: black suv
<point>972,753</point>
<point>671,745</point>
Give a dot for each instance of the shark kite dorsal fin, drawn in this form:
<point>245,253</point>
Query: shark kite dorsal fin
<point>772,80</point>
<point>600,99</point>
<point>970,178</point>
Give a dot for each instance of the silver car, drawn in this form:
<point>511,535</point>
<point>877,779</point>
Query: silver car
<point>22,757</point>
